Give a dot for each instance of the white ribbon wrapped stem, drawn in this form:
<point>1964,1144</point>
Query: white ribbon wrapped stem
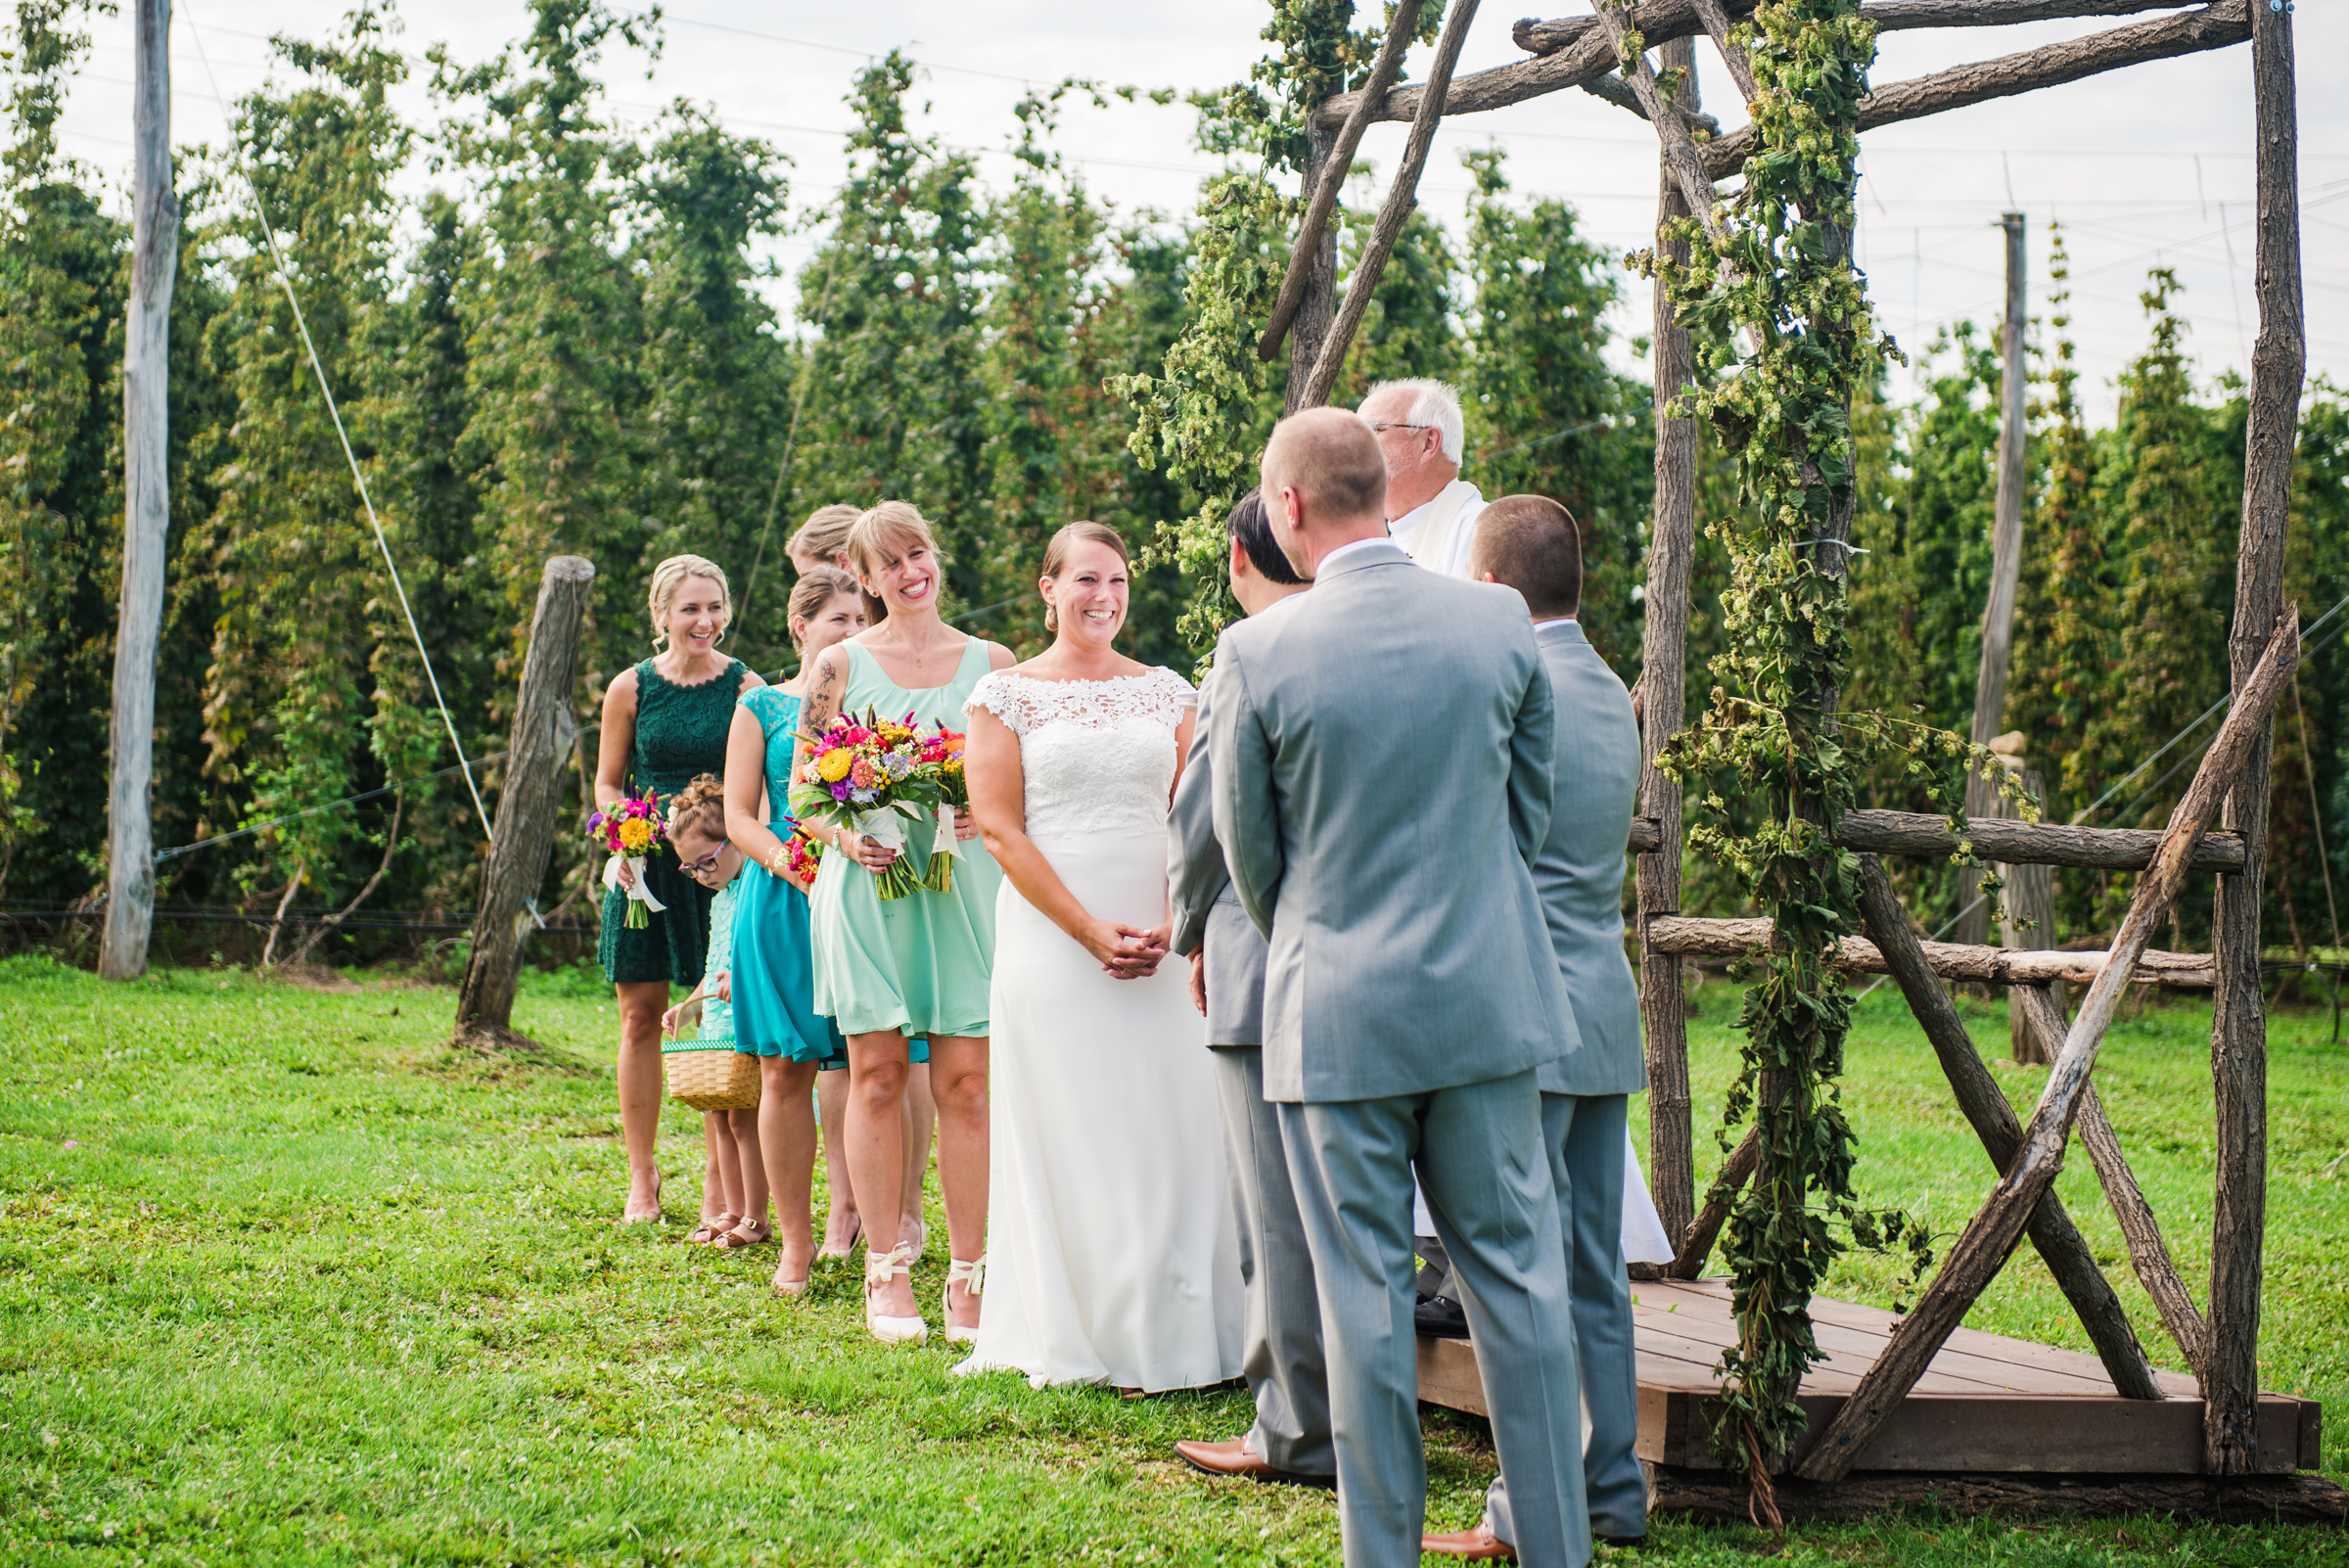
<point>635,888</point>
<point>948,841</point>
<point>884,827</point>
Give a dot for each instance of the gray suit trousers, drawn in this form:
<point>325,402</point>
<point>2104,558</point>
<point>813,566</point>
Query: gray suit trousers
<point>1283,1345</point>
<point>1478,1150</point>
<point>1584,1134</point>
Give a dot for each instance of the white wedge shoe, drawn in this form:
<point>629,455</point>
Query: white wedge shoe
<point>973,1277</point>
<point>879,1270</point>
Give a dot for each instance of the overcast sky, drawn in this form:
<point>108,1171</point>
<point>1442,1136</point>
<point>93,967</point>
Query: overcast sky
<point>2151,165</point>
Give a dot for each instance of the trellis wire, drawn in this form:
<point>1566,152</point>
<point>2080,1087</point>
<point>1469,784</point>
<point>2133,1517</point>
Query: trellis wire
<point>334,412</point>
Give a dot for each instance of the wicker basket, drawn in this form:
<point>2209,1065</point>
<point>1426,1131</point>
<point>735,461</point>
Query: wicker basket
<point>710,1074</point>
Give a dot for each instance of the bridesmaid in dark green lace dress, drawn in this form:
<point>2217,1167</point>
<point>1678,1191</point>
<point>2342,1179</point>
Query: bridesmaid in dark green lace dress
<point>665,725</point>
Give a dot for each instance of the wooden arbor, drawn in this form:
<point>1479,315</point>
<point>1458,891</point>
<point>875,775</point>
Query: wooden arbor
<point>2231,784</point>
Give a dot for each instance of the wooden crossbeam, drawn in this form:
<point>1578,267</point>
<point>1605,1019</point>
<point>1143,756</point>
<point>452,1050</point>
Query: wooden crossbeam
<point>2148,1254</point>
<point>1984,1105</point>
<point>1890,15</point>
<point>2213,26</point>
<point>1951,961</point>
<point>1974,1262</point>
<point>2001,841</point>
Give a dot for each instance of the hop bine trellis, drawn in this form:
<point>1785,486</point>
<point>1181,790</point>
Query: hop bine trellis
<point>1767,274</point>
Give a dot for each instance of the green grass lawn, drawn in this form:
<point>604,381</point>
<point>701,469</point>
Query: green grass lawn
<point>284,1280</point>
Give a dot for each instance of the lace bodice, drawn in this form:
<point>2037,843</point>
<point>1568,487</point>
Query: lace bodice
<point>1098,756</point>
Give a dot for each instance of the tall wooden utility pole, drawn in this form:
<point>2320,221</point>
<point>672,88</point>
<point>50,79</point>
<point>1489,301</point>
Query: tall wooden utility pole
<point>2007,562</point>
<point>2238,1032</point>
<point>146,514</point>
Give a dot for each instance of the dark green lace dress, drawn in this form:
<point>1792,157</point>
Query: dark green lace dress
<point>680,735</point>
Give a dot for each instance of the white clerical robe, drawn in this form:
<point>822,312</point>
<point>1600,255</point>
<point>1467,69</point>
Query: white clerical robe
<point>1439,533</point>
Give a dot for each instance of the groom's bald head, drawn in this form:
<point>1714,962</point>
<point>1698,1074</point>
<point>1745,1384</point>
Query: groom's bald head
<point>1329,457</point>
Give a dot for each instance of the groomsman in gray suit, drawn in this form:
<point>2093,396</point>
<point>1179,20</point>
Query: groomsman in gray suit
<point>1290,1440</point>
<point>1383,757</point>
<point>1529,542</point>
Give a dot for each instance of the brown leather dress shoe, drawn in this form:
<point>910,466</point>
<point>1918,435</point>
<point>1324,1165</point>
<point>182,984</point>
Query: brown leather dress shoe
<point>1470,1546</point>
<point>1235,1458</point>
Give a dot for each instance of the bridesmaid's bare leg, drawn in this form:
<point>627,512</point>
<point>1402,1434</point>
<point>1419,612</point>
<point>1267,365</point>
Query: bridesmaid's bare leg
<point>787,1142</point>
<point>641,1004</point>
<point>921,1117</point>
<point>958,1079</point>
<point>840,1221</point>
<point>877,1151</point>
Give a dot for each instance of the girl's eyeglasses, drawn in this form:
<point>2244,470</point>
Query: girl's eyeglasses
<point>706,865</point>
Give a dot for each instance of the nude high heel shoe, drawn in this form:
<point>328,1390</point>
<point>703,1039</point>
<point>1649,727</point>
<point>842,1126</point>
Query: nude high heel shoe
<point>879,1270</point>
<point>973,1275</point>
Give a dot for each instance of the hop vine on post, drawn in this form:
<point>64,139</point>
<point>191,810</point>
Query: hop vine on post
<point>1780,279</point>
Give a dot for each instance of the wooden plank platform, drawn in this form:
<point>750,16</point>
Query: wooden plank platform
<point>1988,1403</point>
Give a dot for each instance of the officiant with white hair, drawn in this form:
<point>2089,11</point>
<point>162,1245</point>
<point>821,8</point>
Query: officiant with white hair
<point>1431,511</point>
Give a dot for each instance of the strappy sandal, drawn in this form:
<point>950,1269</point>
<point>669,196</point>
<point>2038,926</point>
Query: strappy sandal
<point>846,1249</point>
<point>705,1234</point>
<point>879,1270</point>
<point>972,1277</point>
<point>761,1232</point>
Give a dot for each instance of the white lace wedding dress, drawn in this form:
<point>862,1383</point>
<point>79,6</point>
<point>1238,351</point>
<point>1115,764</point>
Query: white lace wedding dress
<point>1110,1253</point>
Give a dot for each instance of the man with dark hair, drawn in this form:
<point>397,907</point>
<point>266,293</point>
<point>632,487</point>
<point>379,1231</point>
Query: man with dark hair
<point>1529,542</point>
<point>1409,991</point>
<point>1282,1353</point>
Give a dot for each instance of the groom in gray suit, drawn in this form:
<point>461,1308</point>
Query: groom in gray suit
<point>1283,1350</point>
<point>1530,543</point>
<point>1383,759</point>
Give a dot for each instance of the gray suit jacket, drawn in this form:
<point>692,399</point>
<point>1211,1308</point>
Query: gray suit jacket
<point>1206,906</point>
<point>1383,757</point>
<point>1579,872</point>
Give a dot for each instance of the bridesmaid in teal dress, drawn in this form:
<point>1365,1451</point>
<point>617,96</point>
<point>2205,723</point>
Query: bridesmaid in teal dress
<point>917,965</point>
<point>775,983</point>
<point>665,725</point>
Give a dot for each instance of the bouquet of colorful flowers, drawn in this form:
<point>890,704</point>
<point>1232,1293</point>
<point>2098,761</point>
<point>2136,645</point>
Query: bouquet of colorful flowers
<point>627,832</point>
<point>802,855</point>
<point>871,774</point>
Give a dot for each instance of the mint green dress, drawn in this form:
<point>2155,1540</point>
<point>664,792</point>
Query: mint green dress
<point>921,963</point>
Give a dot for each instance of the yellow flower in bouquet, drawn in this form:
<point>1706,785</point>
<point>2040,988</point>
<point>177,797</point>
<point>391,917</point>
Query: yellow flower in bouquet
<point>832,767</point>
<point>636,835</point>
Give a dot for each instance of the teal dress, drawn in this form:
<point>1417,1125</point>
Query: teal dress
<point>718,1021</point>
<point>774,981</point>
<point>680,735</point>
<point>920,963</point>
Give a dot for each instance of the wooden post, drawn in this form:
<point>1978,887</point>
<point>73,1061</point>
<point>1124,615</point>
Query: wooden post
<point>1402,196</point>
<point>2148,1254</point>
<point>2238,1044</point>
<point>527,808</point>
<point>2005,571</point>
<point>2030,895</point>
<point>1983,1103</point>
<point>1990,1236</point>
<point>147,508</point>
<point>1663,698</point>
<point>1319,304</point>
<point>1326,172</point>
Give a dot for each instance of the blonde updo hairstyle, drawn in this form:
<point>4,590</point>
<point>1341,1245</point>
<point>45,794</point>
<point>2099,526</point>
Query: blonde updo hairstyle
<point>1056,555</point>
<point>888,531</point>
<point>700,807</point>
<point>808,596</point>
<point>825,533</point>
<point>664,591</point>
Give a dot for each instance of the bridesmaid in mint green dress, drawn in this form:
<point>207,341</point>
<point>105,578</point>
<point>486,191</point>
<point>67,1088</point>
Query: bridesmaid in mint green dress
<point>917,965</point>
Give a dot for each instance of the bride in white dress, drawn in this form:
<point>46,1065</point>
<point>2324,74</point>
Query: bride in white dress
<point>1111,1256</point>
